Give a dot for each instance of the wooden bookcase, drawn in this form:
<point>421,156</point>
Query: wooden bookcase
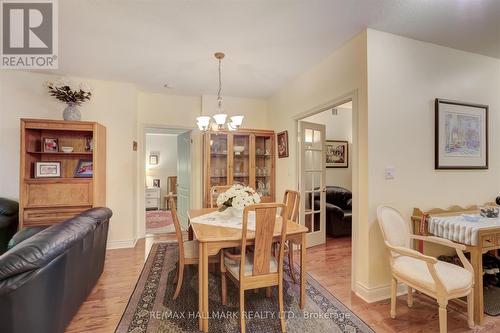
<point>252,163</point>
<point>46,201</point>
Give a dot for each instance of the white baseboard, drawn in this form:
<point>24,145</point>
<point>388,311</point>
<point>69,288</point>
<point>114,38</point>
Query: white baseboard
<point>379,293</point>
<point>121,244</point>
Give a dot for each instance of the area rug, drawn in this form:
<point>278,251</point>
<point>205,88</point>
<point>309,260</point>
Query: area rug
<point>158,221</point>
<point>151,308</point>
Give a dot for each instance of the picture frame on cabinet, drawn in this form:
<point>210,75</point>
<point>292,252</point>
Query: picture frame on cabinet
<point>48,169</point>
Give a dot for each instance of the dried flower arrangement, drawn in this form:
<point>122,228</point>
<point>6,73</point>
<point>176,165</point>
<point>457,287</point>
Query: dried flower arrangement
<point>69,93</point>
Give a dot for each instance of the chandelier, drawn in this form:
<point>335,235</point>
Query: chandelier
<point>219,121</point>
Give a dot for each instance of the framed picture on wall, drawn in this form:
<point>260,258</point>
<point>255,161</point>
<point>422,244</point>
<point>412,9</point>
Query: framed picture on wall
<point>337,154</point>
<point>461,135</point>
<point>282,144</point>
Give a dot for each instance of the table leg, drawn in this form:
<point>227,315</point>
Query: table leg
<point>204,286</point>
<point>201,310</point>
<point>477,263</point>
<point>303,250</point>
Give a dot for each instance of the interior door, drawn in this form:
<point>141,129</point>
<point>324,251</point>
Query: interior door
<point>183,176</point>
<point>312,181</point>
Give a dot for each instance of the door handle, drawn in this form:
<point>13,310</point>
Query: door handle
<point>323,190</point>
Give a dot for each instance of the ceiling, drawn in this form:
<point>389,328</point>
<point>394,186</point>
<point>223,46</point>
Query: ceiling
<point>267,42</point>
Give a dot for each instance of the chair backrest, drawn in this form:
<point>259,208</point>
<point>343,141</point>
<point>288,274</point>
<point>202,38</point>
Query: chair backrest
<point>292,201</point>
<point>265,224</point>
<point>172,184</point>
<point>395,230</point>
<point>177,225</point>
<point>215,191</point>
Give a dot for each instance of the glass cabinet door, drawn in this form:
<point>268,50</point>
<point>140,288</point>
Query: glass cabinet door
<point>218,160</point>
<point>241,159</point>
<point>264,181</point>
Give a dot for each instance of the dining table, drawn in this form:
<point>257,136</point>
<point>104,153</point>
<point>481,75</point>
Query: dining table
<point>213,238</point>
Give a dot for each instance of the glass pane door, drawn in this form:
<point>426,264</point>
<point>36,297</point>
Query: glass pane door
<point>241,159</point>
<point>312,181</point>
<point>263,166</point>
<point>218,159</point>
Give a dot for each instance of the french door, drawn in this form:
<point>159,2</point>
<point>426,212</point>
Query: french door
<point>312,181</point>
<point>183,176</point>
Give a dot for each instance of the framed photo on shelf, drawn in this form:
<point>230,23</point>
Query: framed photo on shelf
<point>84,169</point>
<point>89,142</point>
<point>461,135</point>
<point>337,154</point>
<point>282,144</point>
<point>156,182</point>
<point>50,145</point>
<point>50,169</point>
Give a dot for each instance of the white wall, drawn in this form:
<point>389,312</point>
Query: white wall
<point>341,75</point>
<point>338,127</point>
<point>166,147</point>
<point>404,78</point>
<point>23,95</point>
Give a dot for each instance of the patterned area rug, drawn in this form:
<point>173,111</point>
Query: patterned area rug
<point>151,308</point>
<point>158,221</point>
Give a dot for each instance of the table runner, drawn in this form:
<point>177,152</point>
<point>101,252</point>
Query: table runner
<point>225,219</point>
<point>456,228</point>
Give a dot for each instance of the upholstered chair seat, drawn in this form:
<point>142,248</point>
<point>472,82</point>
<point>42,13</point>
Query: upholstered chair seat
<point>453,277</point>
<point>233,266</point>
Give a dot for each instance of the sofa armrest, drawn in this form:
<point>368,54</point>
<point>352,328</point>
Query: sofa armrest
<point>336,211</point>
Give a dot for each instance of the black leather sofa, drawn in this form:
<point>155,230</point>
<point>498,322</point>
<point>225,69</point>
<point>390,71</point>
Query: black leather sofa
<point>338,211</point>
<point>45,278</point>
<point>9,220</point>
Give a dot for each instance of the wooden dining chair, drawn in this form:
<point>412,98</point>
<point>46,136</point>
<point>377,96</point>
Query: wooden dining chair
<point>438,279</point>
<point>215,191</point>
<point>257,269</point>
<point>292,202</point>
<point>188,250</point>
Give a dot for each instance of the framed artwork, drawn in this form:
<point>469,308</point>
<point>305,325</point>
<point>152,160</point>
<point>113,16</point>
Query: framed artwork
<point>156,182</point>
<point>50,145</point>
<point>50,169</point>
<point>461,135</point>
<point>282,144</point>
<point>337,154</point>
<point>153,159</point>
<point>84,169</point>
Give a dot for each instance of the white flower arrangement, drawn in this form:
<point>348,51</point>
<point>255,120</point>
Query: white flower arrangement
<point>238,197</point>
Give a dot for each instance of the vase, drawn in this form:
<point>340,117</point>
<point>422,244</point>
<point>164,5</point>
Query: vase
<point>236,212</point>
<point>71,112</point>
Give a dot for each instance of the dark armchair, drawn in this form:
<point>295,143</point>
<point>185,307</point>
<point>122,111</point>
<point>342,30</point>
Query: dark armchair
<point>9,220</point>
<point>338,210</point>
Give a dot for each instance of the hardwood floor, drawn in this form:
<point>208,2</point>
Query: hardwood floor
<point>330,264</point>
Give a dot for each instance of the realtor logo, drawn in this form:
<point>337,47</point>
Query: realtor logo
<point>29,34</point>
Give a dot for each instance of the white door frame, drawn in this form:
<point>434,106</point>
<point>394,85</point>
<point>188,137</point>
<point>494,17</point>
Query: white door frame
<point>350,96</point>
<point>140,228</point>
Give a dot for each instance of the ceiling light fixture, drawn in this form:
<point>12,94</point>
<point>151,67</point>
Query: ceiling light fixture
<point>220,119</point>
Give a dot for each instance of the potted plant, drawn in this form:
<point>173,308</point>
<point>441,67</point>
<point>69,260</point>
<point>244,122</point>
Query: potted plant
<point>70,94</point>
<point>237,198</point>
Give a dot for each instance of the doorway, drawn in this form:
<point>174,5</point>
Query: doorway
<point>168,176</point>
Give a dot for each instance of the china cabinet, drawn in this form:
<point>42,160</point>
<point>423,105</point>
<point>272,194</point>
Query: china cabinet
<point>245,156</point>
